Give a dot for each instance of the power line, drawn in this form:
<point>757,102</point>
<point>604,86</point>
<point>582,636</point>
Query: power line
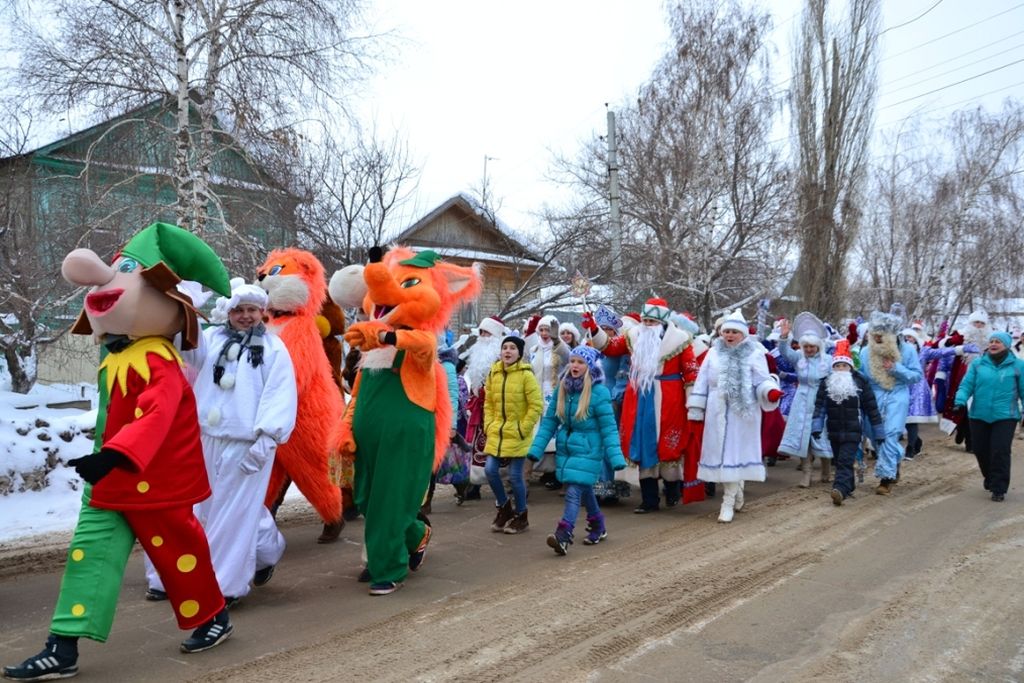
<point>959,68</point>
<point>960,56</point>
<point>911,21</point>
<point>953,33</point>
<point>950,85</point>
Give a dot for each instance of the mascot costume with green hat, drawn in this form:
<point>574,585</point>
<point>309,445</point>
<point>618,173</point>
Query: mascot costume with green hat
<point>146,470</point>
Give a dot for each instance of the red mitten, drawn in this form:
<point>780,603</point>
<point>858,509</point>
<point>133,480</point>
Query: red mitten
<point>774,395</point>
<point>531,325</point>
<point>851,333</point>
<point>955,339</point>
<point>589,324</point>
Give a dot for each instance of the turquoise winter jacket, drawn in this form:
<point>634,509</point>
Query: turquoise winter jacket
<point>997,389</point>
<point>581,446</point>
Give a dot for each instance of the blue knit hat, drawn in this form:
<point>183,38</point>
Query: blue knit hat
<point>1003,337</point>
<point>592,357</point>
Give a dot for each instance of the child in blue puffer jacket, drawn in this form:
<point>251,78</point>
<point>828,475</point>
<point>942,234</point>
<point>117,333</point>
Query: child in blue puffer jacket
<point>583,424</point>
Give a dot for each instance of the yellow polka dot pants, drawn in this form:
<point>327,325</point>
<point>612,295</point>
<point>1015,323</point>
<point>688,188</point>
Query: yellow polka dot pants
<point>99,551</point>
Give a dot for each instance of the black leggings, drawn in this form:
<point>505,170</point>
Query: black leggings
<point>991,442</point>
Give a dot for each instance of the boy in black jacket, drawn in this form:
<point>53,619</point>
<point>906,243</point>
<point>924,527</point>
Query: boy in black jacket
<point>844,396</point>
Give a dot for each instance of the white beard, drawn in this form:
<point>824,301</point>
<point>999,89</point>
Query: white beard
<point>840,386</point>
<point>977,336</point>
<point>645,359</point>
<point>480,357</point>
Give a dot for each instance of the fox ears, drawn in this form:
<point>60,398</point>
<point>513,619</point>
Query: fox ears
<point>461,282</point>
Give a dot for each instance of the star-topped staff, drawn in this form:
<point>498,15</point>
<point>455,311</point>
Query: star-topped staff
<point>580,286</point>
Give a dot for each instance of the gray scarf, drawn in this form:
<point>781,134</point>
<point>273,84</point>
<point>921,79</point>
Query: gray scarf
<point>238,342</point>
<point>734,375</point>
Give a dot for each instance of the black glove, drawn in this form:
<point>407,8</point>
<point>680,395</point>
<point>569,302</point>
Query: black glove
<point>94,467</point>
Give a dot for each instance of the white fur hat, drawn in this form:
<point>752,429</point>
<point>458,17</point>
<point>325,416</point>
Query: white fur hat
<point>495,326</point>
<point>572,328</point>
<point>978,316</point>
<point>916,334</point>
<point>546,321</point>
<point>241,293</point>
<point>735,321</point>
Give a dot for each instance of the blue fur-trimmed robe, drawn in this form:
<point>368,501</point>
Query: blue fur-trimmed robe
<point>796,440</point>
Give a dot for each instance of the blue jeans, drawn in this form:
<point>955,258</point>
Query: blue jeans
<point>576,494</point>
<point>515,477</point>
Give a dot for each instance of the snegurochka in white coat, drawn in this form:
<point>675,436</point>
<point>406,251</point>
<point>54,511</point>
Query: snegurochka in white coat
<point>246,398</point>
<point>732,388</point>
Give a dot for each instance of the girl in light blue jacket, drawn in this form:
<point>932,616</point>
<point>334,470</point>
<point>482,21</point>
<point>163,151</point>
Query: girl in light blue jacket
<point>582,422</point>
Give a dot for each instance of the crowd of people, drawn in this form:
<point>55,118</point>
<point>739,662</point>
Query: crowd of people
<point>696,412</point>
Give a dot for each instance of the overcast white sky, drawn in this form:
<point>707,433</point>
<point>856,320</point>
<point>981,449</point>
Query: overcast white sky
<point>516,80</point>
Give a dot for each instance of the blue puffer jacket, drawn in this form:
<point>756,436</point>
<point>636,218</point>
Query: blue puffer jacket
<point>581,446</point>
<point>997,389</point>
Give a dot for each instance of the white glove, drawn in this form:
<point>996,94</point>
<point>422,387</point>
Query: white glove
<point>259,454</point>
<point>695,414</point>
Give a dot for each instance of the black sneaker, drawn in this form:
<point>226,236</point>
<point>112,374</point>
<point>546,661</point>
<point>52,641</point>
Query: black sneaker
<point>49,664</point>
<point>230,601</point>
<point>211,634</point>
<point>262,576</point>
<point>364,576</point>
<point>155,595</point>
<point>384,587</point>
<point>416,558</point>
<point>998,497</point>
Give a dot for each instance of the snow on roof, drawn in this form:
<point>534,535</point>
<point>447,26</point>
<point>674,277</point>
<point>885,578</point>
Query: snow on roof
<point>478,255</point>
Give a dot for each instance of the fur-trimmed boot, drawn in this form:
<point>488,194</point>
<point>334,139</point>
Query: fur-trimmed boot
<point>805,482</point>
<point>728,501</point>
<point>596,531</point>
<point>648,496</point>
<point>562,538</point>
<point>738,500</point>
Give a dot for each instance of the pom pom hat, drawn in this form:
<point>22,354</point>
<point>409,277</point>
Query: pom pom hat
<point>592,357</point>
<point>656,309</point>
<point>734,321</point>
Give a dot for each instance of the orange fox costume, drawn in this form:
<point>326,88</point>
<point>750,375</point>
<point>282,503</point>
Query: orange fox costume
<point>398,421</point>
<point>294,280</point>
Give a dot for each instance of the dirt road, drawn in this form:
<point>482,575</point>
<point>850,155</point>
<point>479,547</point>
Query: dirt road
<point>919,586</point>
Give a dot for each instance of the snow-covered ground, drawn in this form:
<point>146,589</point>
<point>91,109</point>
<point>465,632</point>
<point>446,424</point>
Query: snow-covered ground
<point>38,494</point>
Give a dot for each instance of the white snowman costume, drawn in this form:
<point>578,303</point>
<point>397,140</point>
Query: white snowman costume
<point>244,415</point>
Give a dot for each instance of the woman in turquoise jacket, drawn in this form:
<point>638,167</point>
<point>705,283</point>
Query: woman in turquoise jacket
<point>994,384</point>
<point>582,422</point>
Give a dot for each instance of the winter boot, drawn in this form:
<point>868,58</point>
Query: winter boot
<point>648,496</point>
<point>562,538</point>
<point>59,659</point>
<point>884,487</point>
<point>673,492</point>
<point>805,482</point>
<point>738,500</point>
<point>519,523</point>
<point>826,470</point>
<point>503,516</point>
<point>595,530</point>
<point>728,502</point>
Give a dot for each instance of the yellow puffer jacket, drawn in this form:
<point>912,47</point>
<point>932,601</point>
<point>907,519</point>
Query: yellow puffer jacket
<point>512,407</point>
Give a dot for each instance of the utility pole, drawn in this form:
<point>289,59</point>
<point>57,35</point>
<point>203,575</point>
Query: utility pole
<point>613,197</point>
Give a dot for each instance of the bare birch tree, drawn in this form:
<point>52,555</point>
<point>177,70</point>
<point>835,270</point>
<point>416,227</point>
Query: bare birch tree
<point>832,100</point>
<point>255,67</point>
